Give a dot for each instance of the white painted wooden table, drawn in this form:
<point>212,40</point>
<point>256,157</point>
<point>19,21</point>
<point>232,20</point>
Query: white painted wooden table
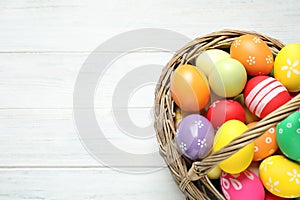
<point>43,45</point>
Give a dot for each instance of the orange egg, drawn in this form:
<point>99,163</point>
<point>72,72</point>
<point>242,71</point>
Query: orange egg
<point>253,53</point>
<point>266,144</point>
<point>189,88</point>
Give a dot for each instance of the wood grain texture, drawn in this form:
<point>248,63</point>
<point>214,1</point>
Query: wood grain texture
<point>43,45</point>
<point>51,77</point>
<point>88,184</point>
<point>48,137</point>
<point>83,25</point>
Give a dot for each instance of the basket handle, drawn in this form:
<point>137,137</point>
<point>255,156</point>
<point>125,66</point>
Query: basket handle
<point>201,168</point>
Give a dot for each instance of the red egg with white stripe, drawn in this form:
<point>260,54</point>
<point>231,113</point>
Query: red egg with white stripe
<point>264,94</point>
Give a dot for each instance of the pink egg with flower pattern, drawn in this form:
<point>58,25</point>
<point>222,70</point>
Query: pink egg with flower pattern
<point>245,185</point>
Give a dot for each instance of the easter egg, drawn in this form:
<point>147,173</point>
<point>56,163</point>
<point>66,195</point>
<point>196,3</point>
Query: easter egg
<point>207,60</point>
<point>264,94</point>
<point>270,196</point>
<point>224,110</point>
<point>195,136</point>
<point>228,78</point>
<point>265,145</point>
<point>178,117</point>
<point>287,67</point>
<point>239,161</point>
<point>250,117</point>
<point>214,173</point>
<point>245,185</point>
<point>253,53</point>
<point>288,136</point>
<point>189,88</point>
<point>280,176</point>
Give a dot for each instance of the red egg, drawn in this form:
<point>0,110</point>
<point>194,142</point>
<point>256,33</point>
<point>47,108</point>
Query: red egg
<point>264,94</point>
<point>270,196</point>
<point>293,94</point>
<point>253,53</point>
<point>223,110</point>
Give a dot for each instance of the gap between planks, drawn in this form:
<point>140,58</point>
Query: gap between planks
<point>22,167</point>
<point>86,52</point>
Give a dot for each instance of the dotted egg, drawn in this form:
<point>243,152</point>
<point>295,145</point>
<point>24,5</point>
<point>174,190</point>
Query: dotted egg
<point>195,136</point>
<point>265,145</point>
<point>253,53</point>
<point>288,136</point>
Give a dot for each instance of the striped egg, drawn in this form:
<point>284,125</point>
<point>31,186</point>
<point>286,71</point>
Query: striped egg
<point>264,94</point>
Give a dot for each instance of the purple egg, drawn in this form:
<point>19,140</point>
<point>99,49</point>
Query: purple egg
<point>195,136</point>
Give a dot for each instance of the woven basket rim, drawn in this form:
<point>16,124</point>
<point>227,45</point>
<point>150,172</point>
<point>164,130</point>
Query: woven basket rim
<point>191,176</point>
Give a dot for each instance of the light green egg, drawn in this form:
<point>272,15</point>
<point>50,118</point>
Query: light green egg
<point>229,78</point>
<point>207,60</point>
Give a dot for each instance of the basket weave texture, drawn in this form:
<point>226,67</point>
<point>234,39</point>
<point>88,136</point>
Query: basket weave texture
<point>191,176</point>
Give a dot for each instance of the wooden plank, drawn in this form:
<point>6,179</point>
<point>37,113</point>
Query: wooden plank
<point>42,47</point>
<point>47,80</point>
<point>81,26</point>
<point>92,184</point>
<point>48,137</point>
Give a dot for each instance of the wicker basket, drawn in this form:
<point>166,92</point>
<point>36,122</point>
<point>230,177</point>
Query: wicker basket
<point>191,176</point>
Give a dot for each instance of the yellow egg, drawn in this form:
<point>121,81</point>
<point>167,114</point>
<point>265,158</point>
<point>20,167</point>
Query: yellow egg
<point>287,67</point>
<point>178,117</point>
<point>214,173</point>
<point>280,176</point>
<point>241,160</point>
